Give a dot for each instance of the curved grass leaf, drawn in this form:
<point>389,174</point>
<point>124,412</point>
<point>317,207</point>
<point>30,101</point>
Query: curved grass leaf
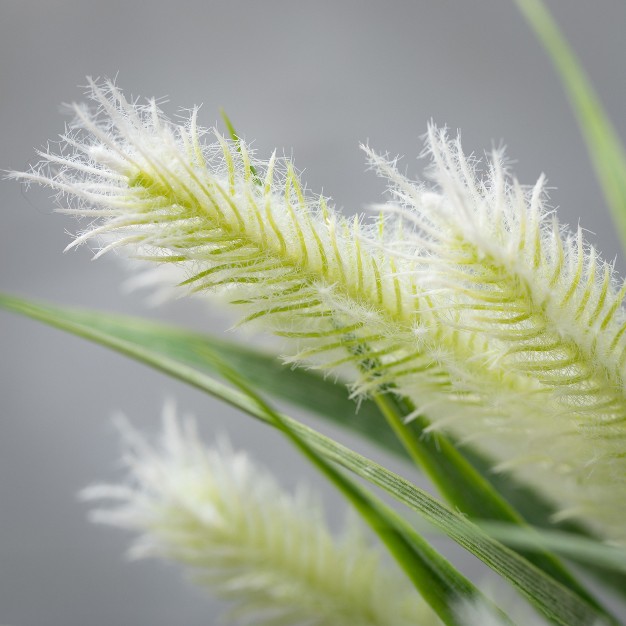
<point>328,399</point>
<point>553,599</point>
<point>439,583</point>
<point>464,487</point>
<point>603,144</point>
<point>584,550</point>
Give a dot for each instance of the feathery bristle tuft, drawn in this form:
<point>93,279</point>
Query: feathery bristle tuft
<point>238,533</point>
<point>466,296</point>
<point>549,311</point>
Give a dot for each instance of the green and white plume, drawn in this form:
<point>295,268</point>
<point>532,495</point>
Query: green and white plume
<point>467,296</point>
<point>237,533</point>
<point>500,266</point>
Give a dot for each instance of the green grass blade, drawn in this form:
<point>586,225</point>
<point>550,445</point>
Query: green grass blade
<point>440,584</point>
<point>550,597</point>
<point>304,388</point>
<point>603,143</point>
<point>327,399</point>
<point>612,558</point>
<point>464,487</point>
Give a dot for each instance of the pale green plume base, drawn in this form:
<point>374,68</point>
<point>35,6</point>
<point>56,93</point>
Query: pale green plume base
<point>237,533</point>
<point>467,297</point>
<point>267,553</point>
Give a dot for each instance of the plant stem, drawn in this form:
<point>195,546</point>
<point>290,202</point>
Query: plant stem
<point>462,485</point>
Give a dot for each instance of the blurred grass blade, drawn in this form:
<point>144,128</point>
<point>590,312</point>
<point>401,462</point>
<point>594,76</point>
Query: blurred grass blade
<point>603,143</point>
<point>582,549</point>
<point>454,472</point>
<point>463,486</point>
<point>553,599</point>
<point>438,582</point>
<point>304,388</point>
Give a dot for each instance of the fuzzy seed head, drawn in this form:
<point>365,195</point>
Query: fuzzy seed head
<point>236,532</point>
<point>466,295</point>
<point>548,311</point>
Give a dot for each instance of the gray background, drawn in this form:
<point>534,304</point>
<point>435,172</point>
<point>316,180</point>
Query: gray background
<point>312,77</point>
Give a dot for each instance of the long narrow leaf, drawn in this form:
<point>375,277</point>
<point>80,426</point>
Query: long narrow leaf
<point>304,388</point>
<point>603,143</point>
<point>328,399</point>
<point>550,597</point>
<point>582,549</point>
<point>440,584</point>
<point>464,487</point>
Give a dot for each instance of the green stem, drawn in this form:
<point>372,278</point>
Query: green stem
<point>463,486</point>
<point>439,583</point>
<point>124,335</point>
<point>457,480</point>
<point>603,143</point>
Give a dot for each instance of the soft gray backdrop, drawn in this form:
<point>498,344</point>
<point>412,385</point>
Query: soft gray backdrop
<point>313,77</point>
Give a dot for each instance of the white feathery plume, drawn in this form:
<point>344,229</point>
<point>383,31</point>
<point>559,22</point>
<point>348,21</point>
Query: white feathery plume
<point>501,266</point>
<point>247,230</point>
<point>467,297</point>
<point>236,532</point>
<point>232,224</point>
